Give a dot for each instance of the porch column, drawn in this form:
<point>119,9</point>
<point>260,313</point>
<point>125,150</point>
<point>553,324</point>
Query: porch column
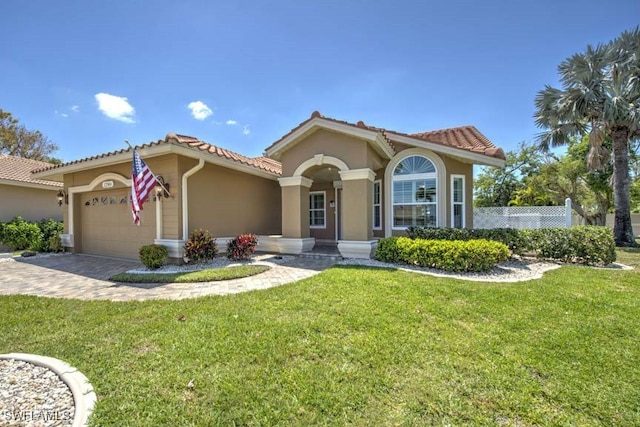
<point>357,206</point>
<point>295,215</point>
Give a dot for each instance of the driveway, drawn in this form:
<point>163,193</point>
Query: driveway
<point>85,277</point>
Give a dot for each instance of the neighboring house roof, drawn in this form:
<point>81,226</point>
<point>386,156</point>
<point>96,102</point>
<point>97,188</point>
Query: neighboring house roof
<point>262,164</point>
<point>17,171</point>
<point>465,138</point>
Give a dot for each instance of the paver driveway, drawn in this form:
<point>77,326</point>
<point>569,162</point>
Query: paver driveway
<point>85,277</point>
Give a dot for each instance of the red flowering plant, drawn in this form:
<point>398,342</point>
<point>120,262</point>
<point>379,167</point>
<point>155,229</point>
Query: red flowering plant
<point>242,247</point>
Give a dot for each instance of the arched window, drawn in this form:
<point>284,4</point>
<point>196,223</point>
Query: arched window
<point>414,195</point>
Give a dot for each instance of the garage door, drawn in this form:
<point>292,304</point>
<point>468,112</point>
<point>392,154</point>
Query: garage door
<point>107,224</point>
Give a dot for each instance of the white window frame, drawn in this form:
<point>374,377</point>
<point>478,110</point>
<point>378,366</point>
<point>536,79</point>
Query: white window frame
<point>324,209</point>
<point>463,203</point>
<point>378,205</point>
<point>414,177</point>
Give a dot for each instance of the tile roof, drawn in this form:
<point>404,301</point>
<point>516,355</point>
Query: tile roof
<point>466,138</point>
<point>262,163</point>
<point>19,169</point>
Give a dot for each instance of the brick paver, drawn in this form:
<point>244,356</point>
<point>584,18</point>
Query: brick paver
<point>84,277</point>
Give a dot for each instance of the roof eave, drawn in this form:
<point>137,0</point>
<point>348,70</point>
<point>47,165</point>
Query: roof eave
<point>375,138</point>
<point>56,174</point>
<point>40,186</point>
<point>475,158</point>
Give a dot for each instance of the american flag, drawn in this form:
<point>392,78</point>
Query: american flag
<point>142,182</point>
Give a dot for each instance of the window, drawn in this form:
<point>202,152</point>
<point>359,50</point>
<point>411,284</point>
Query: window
<point>414,193</point>
<point>317,209</point>
<point>457,201</point>
<point>377,205</point>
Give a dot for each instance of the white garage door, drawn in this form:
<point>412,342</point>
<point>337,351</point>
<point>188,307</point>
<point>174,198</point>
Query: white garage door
<point>107,224</point>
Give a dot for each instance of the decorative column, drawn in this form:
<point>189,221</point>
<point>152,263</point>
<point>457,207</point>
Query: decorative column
<point>295,215</point>
<point>357,221</point>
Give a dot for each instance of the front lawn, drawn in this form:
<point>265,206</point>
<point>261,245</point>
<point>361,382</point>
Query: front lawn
<point>355,346</point>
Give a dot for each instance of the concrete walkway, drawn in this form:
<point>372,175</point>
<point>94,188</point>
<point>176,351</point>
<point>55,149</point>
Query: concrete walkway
<point>85,277</point>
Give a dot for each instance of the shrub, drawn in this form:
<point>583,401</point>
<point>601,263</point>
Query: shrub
<point>19,234</point>
<point>49,228</point>
<point>55,244</point>
<point>449,255</point>
<point>242,247</point>
<point>200,247</point>
<point>153,256</point>
<point>587,245</point>
<point>513,238</point>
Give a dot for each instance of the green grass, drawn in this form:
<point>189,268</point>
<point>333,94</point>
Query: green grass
<point>210,275</point>
<point>355,346</point>
<point>629,256</point>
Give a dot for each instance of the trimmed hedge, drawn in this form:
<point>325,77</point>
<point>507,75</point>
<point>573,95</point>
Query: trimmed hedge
<point>449,255</point>
<point>587,245</point>
<point>513,238</point>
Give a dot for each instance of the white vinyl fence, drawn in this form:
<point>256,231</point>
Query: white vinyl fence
<point>523,217</point>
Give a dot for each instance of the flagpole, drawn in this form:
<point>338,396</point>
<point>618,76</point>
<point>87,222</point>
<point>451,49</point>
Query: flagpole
<point>154,175</point>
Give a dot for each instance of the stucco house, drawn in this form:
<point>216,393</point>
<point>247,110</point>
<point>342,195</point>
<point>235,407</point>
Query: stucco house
<point>23,195</point>
<point>326,182</point>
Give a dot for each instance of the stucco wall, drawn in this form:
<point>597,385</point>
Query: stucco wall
<point>32,204</point>
<point>327,233</point>
<point>229,203</point>
<point>354,152</point>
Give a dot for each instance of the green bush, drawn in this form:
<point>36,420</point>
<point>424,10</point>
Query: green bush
<point>513,238</point>
<point>19,234</point>
<point>200,247</point>
<point>242,247</point>
<point>450,255</point>
<point>153,256</point>
<point>583,244</point>
<point>49,228</point>
<point>55,244</point>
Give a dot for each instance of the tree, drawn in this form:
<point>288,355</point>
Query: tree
<point>17,140</point>
<point>567,176</point>
<point>600,96</point>
<point>496,186</point>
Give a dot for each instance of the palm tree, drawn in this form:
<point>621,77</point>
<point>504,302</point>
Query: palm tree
<point>600,96</point>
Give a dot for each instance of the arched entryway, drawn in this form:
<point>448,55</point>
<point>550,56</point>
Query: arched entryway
<point>327,202</point>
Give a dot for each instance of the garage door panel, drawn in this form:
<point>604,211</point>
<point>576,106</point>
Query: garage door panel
<point>107,224</point>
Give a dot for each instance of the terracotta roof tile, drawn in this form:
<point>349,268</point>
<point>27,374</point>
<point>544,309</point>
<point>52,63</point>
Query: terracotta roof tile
<point>466,138</point>
<point>256,162</point>
<point>262,163</point>
<point>19,169</point>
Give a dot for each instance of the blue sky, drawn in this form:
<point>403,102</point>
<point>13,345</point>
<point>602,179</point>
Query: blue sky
<point>240,74</point>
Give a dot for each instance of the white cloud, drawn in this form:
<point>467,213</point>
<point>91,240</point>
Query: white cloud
<point>231,122</point>
<point>199,110</point>
<point>58,113</point>
<point>75,108</point>
<point>115,107</point>
<point>245,130</point>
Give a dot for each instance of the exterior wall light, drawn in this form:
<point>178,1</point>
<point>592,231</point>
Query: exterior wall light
<point>162,187</point>
<point>62,197</point>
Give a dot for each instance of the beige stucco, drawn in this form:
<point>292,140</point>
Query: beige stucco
<point>32,204</point>
<point>328,233</point>
<point>356,153</point>
<point>357,199</point>
<point>295,212</point>
<point>229,203</point>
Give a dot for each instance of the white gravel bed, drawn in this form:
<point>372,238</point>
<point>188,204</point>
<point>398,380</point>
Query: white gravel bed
<point>509,271</point>
<point>217,262</point>
<point>33,396</point>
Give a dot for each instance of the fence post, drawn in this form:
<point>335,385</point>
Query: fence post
<point>567,212</point>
